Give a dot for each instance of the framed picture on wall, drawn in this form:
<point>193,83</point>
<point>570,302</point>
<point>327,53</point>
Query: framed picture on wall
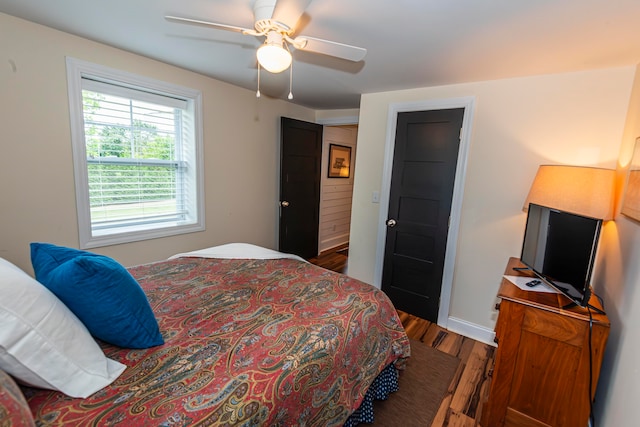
<point>339,161</point>
<point>631,201</point>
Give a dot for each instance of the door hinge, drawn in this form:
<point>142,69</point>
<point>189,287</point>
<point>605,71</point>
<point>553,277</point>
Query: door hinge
<point>460,135</point>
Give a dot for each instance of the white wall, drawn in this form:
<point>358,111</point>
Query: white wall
<point>619,280</point>
<point>337,117</point>
<point>575,118</point>
<point>241,146</point>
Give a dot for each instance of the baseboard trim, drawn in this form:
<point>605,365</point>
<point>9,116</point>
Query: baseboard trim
<point>334,248</point>
<point>471,330</point>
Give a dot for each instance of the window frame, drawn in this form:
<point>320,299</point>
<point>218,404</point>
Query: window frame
<point>76,70</point>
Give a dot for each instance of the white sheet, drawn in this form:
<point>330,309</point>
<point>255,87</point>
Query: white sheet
<point>521,282</point>
<point>237,251</point>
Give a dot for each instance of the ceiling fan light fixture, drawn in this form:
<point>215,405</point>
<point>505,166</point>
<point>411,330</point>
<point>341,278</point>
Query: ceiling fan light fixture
<point>272,56</point>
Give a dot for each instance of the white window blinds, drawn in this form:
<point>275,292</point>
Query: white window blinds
<point>139,159</point>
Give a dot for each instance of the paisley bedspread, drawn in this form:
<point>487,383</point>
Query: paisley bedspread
<point>261,342</point>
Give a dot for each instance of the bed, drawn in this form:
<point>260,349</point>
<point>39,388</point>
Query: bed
<point>252,337</point>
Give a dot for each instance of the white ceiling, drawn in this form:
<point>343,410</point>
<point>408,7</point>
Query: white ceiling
<point>410,43</point>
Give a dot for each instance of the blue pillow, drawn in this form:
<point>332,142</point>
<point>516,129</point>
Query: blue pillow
<point>100,292</point>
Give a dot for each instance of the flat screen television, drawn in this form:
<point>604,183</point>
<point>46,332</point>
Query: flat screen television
<point>560,248</point>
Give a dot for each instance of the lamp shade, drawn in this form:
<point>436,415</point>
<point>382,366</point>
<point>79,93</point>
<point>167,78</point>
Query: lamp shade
<point>272,56</point>
<point>581,190</point>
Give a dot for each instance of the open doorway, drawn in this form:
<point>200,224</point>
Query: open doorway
<point>336,188</point>
<point>316,187</point>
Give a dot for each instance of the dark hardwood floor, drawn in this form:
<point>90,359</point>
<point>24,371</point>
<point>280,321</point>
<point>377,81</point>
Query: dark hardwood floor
<point>334,260</point>
<point>462,405</point>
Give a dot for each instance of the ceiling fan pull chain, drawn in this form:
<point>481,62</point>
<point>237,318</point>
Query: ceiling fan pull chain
<point>258,92</point>
<point>290,96</point>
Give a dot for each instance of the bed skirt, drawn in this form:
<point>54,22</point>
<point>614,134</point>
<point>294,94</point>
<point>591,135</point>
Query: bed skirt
<point>384,384</point>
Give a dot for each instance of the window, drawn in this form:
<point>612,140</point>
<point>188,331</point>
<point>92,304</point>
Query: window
<point>137,149</point>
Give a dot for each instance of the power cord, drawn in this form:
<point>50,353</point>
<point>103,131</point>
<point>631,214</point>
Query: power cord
<point>592,422</point>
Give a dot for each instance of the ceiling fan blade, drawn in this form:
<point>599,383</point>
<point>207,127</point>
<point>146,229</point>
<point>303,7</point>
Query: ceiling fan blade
<point>206,24</point>
<point>288,12</point>
<point>326,47</point>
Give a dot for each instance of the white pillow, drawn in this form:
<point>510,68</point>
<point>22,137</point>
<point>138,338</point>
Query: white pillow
<point>43,344</point>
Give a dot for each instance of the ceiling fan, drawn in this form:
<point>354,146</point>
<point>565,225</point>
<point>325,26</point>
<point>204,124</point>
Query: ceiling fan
<point>276,21</point>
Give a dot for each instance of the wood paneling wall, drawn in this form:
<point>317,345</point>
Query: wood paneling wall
<point>336,193</point>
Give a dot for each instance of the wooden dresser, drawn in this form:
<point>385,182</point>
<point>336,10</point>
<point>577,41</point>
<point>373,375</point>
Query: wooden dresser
<point>541,371</point>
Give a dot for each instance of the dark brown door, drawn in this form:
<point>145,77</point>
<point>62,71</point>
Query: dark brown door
<point>301,154</point>
<point>424,166</point>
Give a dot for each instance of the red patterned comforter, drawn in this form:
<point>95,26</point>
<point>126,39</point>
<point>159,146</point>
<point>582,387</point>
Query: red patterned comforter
<point>247,342</point>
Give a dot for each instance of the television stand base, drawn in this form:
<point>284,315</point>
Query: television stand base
<point>588,307</point>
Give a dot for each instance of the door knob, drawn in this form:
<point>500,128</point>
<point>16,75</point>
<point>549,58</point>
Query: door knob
<point>284,203</point>
<point>391,222</point>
